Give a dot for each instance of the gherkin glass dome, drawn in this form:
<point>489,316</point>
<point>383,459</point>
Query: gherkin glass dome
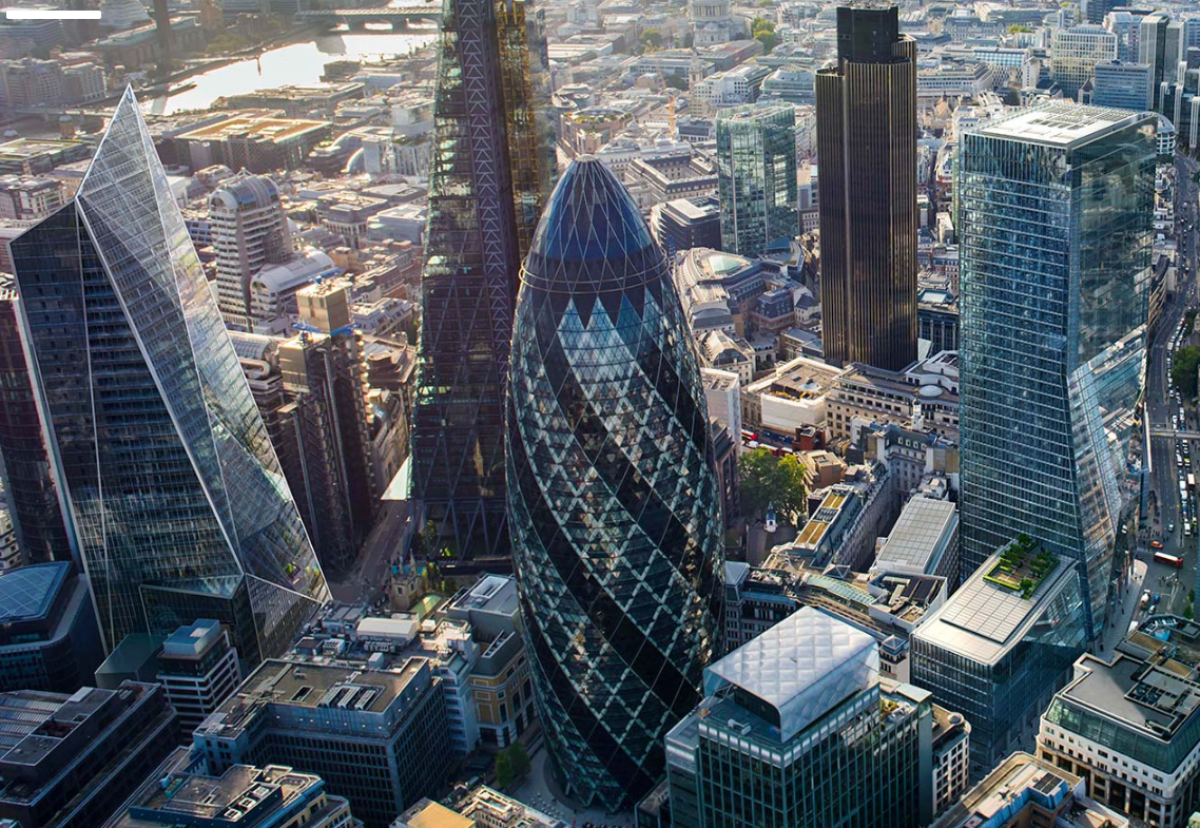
<point>613,504</point>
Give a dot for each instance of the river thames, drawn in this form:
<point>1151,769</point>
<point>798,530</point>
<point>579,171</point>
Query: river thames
<point>295,63</point>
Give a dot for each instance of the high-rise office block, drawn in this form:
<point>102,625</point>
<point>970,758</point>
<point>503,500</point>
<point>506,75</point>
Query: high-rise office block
<point>492,166</point>
<point>1074,53</point>
<point>330,469</point>
<point>1123,85</point>
<point>1129,724</point>
<point>1127,27</point>
<point>867,143</point>
<point>176,502</point>
<point>379,739</point>
<point>996,651</point>
<point>249,231</point>
<point>1094,11</point>
<point>797,729</point>
<point>70,760</point>
<point>1055,212</point>
<point>24,462</point>
<point>180,793</point>
<point>756,177</point>
<point>613,499</point>
<point>49,638</point>
<point>1152,47</point>
<point>198,669</point>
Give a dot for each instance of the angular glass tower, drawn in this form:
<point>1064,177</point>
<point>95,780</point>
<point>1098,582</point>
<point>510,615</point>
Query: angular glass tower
<point>613,501</point>
<point>756,177</point>
<point>1055,213</point>
<point>172,492</point>
<point>492,168</point>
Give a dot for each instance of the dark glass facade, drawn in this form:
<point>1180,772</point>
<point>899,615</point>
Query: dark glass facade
<point>867,143</point>
<point>1056,225</point>
<point>613,501</point>
<point>491,170</point>
<point>24,461</point>
<point>155,441</point>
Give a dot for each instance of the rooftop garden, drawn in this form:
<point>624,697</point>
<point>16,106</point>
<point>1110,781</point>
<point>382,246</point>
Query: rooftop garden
<point>1022,567</point>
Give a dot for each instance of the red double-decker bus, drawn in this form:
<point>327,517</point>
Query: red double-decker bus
<point>1169,560</point>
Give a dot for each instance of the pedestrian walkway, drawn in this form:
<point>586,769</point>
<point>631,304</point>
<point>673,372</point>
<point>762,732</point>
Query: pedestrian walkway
<point>1117,628</point>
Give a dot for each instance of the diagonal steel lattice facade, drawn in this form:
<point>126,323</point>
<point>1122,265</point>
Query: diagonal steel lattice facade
<point>491,170</point>
<point>167,476</point>
<point>613,501</point>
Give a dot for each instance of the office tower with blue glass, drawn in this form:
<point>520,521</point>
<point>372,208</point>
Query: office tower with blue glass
<point>867,143</point>
<point>1123,85</point>
<point>1055,219</point>
<point>798,729</point>
<point>614,505</point>
<point>492,167</point>
<point>174,500</point>
<point>1001,645</point>
<point>756,177</point>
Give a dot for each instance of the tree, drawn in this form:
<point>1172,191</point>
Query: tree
<point>1183,371</point>
<point>1017,28</point>
<point>651,40</point>
<point>519,758</point>
<point>675,82</point>
<point>504,769</point>
<point>765,479</point>
<point>763,30</point>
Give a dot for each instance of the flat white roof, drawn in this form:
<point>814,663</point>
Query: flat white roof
<point>1060,124</point>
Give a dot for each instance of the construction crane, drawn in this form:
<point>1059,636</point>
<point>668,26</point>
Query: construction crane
<point>670,93</point>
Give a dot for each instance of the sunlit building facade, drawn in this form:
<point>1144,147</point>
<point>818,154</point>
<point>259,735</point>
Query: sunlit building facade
<point>756,177</point>
<point>867,144</point>
<point>492,167</point>
<point>173,496</point>
<point>614,505</point>
<point>1055,212</point>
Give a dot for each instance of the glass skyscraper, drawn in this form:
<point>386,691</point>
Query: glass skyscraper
<point>613,500</point>
<point>1055,211</point>
<point>171,490</point>
<point>493,162</point>
<point>756,177</point>
<point>996,654</point>
<point>867,143</point>
<point>797,730</point>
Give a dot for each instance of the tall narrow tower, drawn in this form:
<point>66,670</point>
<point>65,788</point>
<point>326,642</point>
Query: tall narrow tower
<point>867,145</point>
<point>492,166</point>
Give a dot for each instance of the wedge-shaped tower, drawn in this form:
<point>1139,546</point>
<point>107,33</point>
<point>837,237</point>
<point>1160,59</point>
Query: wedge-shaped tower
<point>174,498</point>
<point>613,503</point>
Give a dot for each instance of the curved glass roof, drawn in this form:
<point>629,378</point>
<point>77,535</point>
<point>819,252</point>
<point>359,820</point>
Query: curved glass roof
<point>29,592</point>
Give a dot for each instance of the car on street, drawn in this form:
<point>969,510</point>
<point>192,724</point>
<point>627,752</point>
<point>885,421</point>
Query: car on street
<point>1156,544</point>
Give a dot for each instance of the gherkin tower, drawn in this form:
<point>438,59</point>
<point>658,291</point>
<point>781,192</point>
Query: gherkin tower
<point>612,496</point>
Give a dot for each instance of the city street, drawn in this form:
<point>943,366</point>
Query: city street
<point>1166,439</point>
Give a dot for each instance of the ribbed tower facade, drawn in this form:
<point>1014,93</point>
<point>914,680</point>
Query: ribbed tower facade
<point>613,501</point>
<point>492,165</point>
<point>867,143</point>
<point>173,496</point>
